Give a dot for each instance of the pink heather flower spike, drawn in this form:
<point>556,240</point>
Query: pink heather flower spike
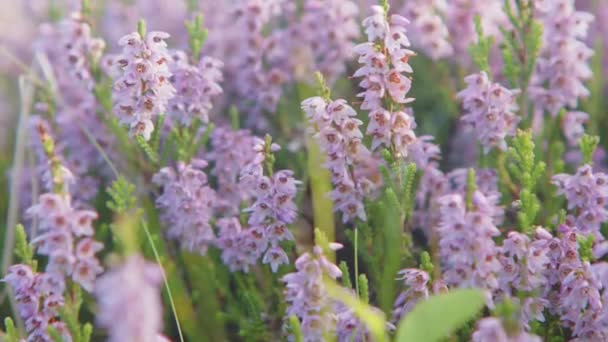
<point>491,110</point>
<point>196,87</point>
<point>417,283</point>
<point>466,245</point>
<point>353,167</point>
<point>328,28</point>
<point>273,208</point>
<point>460,15</point>
<point>143,90</point>
<point>429,32</point>
<point>39,297</point>
<point>385,82</point>
<point>563,64</point>
<point>187,205</point>
<point>492,329</point>
<point>307,297</point>
<point>136,282</point>
<point>66,238</point>
<point>587,195</point>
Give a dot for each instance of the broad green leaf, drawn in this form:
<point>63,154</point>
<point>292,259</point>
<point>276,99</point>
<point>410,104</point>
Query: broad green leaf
<point>437,317</point>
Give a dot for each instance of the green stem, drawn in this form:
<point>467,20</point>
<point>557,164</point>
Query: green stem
<point>169,295</point>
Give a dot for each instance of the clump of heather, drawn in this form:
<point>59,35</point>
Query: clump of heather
<point>417,283</point>
<point>257,80</point>
<point>38,297</point>
<point>307,296</point>
<point>490,110</point>
<point>338,134</point>
<point>137,283</point>
<point>493,329</point>
<point>66,237</point>
<point>428,29</point>
<point>586,192</point>
<point>73,53</point>
<point>466,231</point>
<point>384,81</point>
<point>231,151</point>
<point>273,208</point>
<point>460,15</point>
<point>183,184</point>
<point>196,86</point>
<point>329,29</point>
<point>143,90</point>
<point>563,65</point>
<point>187,204</point>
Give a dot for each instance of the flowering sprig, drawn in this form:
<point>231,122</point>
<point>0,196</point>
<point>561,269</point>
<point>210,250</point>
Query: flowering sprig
<point>143,90</point>
<point>563,64</point>
<point>429,31</point>
<point>490,110</point>
<point>60,176</point>
<point>385,58</point>
<point>187,204</point>
<point>587,195</point>
<point>273,208</point>
<point>348,159</point>
<point>136,282</point>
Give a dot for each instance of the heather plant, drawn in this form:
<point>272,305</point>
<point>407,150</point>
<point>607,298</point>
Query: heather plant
<point>303,170</point>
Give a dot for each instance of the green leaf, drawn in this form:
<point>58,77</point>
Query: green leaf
<point>54,334</point>
<point>588,144</point>
<point>296,329</point>
<point>439,316</point>
<point>148,150</point>
<point>23,250</point>
<point>87,331</point>
<point>480,51</point>
<point>345,275</point>
<point>11,331</point>
<point>363,288</point>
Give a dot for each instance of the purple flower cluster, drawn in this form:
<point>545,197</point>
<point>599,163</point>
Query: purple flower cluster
<point>580,299</point>
<point>385,58</point>
<point>492,329</point>
<point>272,210</point>
<point>429,32</point>
<point>329,28</point>
<point>196,87</point>
<point>417,283</point>
<point>572,126</point>
<point>460,15</point>
<point>72,49</point>
<point>587,195</point>
<point>491,110</point>
<point>134,285</point>
<point>524,263</point>
<point>143,89</point>
<point>466,244</point>
<point>248,67</point>
<point>563,64</point>
<point>66,238</point>
<point>72,52</point>
<point>187,204</point>
<point>239,246</point>
<point>339,137</point>
<point>38,297</point>
<point>306,294</point>
<point>231,151</point>
<point>269,198</point>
